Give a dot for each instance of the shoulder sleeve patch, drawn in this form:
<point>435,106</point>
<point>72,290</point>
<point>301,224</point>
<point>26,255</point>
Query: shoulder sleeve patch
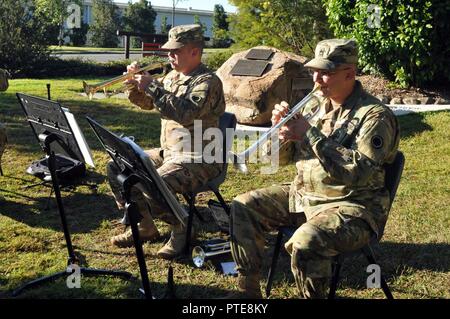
<point>377,142</point>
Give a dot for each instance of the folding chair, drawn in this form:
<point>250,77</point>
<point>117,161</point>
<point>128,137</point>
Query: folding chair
<point>226,121</point>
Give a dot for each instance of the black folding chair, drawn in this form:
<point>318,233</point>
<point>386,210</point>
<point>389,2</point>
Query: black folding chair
<point>226,121</point>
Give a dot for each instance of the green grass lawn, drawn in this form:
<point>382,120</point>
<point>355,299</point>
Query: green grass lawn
<point>414,253</point>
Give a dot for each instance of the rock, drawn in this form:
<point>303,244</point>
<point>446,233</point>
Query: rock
<point>441,101</point>
<point>396,100</point>
<point>383,98</point>
<point>252,98</point>
<point>410,100</point>
<point>426,100</point>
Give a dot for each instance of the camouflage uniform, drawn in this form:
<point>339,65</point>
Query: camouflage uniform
<point>339,187</point>
<point>4,75</point>
<point>180,99</point>
<point>3,141</point>
<point>3,87</point>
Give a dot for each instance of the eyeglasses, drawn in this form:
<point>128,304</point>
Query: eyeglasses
<point>326,73</point>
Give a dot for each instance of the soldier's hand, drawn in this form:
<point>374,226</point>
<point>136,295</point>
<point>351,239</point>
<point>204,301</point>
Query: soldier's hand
<point>279,111</point>
<point>294,129</point>
<point>139,81</point>
<point>130,82</point>
<point>143,80</point>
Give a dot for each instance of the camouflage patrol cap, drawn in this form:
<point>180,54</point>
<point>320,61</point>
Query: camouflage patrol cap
<point>4,75</point>
<point>181,35</point>
<point>331,53</point>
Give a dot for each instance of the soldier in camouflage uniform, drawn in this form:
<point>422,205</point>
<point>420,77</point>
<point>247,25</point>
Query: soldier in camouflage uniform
<point>189,92</point>
<point>338,196</point>
<point>3,139</point>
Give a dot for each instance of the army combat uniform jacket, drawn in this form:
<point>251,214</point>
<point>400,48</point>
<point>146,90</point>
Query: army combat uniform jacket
<point>342,156</point>
<point>181,100</point>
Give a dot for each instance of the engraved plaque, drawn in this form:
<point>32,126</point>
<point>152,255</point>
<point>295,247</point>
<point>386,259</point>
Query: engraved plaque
<point>249,67</point>
<point>259,54</point>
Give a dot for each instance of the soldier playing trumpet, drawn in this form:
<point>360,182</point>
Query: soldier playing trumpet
<point>339,187</point>
<point>189,92</point>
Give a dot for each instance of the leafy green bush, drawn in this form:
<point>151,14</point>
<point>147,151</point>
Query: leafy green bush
<point>57,67</point>
<point>409,42</point>
<point>216,59</point>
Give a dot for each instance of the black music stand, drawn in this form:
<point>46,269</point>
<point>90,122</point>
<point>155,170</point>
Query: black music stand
<point>51,127</point>
<point>128,157</point>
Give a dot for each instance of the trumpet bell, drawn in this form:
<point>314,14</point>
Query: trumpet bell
<point>91,89</point>
<point>212,248</point>
<point>88,90</point>
<point>198,256</point>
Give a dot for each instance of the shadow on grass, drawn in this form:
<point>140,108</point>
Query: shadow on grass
<point>392,257</point>
<point>104,287</point>
<point>412,124</point>
<point>126,120</point>
<point>77,207</point>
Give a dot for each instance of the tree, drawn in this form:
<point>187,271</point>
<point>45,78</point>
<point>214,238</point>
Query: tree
<point>23,39</point>
<point>293,25</point>
<point>106,23</point>
<point>78,35</point>
<point>139,17</point>
<point>203,25</point>
<point>221,37</point>
<point>164,26</point>
<point>55,13</point>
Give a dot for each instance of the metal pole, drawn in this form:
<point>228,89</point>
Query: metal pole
<point>127,47</point>
<point>173,13</point>
<point>48,91</point>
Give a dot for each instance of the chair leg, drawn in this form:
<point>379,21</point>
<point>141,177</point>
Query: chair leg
<point>337,263</point>
<point>276,254</point>
<point>368,252</point>
<point>222,202</point>
<point>192,208</point>
<point>189,225</point>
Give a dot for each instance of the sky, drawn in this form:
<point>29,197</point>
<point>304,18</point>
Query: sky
<point>194,4</point>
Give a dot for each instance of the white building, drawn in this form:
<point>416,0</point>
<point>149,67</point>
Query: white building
<point>182,15</point>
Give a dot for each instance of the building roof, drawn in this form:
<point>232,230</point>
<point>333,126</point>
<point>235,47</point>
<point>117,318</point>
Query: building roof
<point>189,10</point>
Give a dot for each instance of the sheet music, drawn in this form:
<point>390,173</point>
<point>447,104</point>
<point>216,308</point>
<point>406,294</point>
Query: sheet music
<point>170,198</point>
<point>79,137</point>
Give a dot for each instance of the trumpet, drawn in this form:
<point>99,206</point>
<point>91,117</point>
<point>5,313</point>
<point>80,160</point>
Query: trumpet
<point>240,159</point>
<point>212,248</point>
<point>91,89</point>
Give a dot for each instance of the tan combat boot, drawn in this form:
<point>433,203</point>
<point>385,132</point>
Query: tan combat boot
<point>147,232</point>
<point>248,288</point>
<point>176,244</point>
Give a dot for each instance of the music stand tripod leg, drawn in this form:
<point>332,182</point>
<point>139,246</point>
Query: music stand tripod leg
<point>72,259</point>
<point>134,217</point>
